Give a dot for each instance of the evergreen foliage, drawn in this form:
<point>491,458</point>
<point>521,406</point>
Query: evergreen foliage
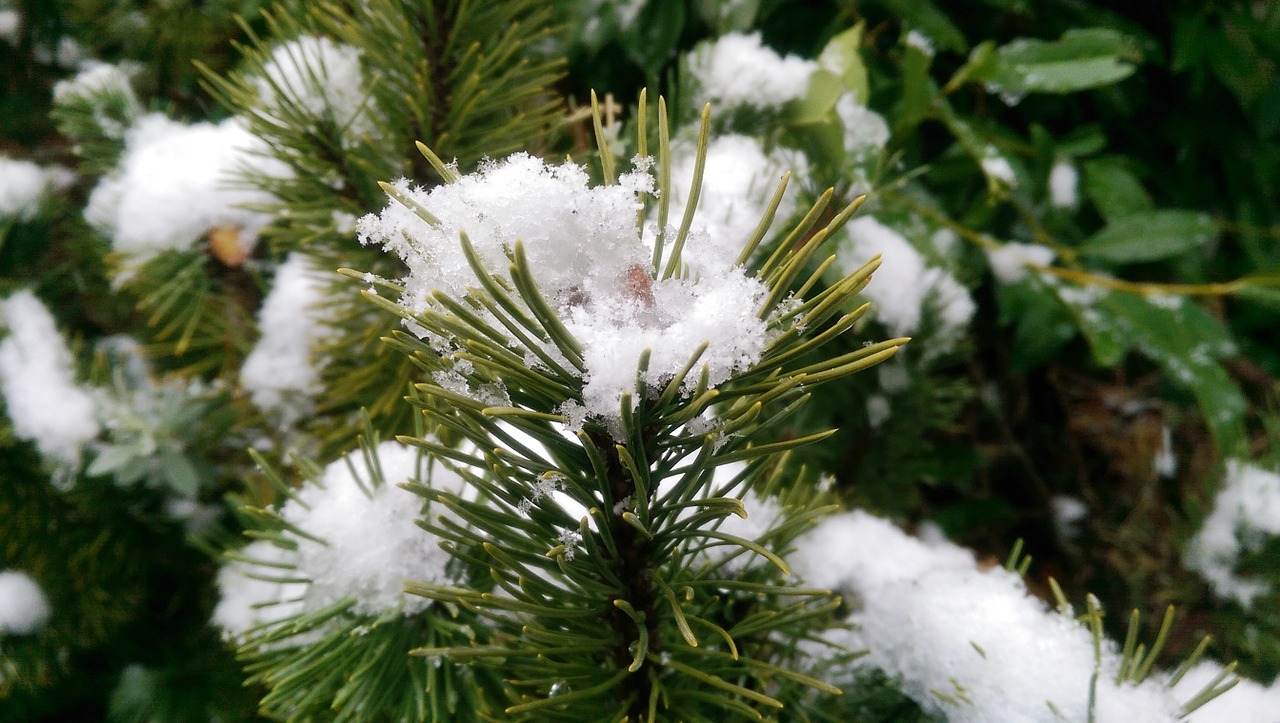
<point>360,362</point>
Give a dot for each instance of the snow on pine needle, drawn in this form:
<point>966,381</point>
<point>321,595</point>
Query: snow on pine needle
<point>592,263</point>
<point>361,542</point>
<point>37,380</point>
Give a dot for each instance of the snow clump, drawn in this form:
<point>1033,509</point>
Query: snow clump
<point>246,600</point>
<point>37,378</point>
<point>995,166</point>
<point>737,70</point>
<point>969,644</point>
<point>10,25</point>
<point>904,283</point>
<point>738,182</point>
<point>592,264</point>
<point>865,131</point>
<point>1063,180</point>
<point>1009,261</point>
<point>25,185</point>
<point>280,373</point>
<point>323,79</point>
<point>177,182</point>
<point>1246,702</point>
<point>24,609</point>
<point>372,545</point>
<point>1245,513</point>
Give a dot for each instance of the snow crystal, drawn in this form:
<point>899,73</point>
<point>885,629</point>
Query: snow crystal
<point>321,78</point>
<point>1246,702</point>
<point>590,262</point>
<point>24,186</point>
<point>1063,180</point>
<point>571,539</point>
<point>738,70</point>
<point>37,378</point>
<point>23,606</point>
<point>374,544</point>
<point>280,373</point>
<point>903,284</point>
<point>1245,512</point>
<point>1009,261</point>
<point>968,644</point>
<point>865,131</point>
<point>997,167</point>
<point>177,182</point>
<point>546,486</point>
<point>738,182</point>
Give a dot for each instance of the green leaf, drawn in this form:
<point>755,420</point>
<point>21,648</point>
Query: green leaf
<point>918,89</point>
<point>1041,325</point>
<point>1223,405</point>
<point>1149,236</point>
<point>1107,339</point>
<point>1114,189</point>
<point>179,474</point>
<point>825,88</point>
<point>111,458</point>
<point>1183,338</point>
<point>841,53</point>
<point>1079,60</point>
<point>1189,41</point>
<point>1082,141</point>
<point>728,17</point>
<point>1261,287</point>
<point>1237,63</point>
<point>651,41</point>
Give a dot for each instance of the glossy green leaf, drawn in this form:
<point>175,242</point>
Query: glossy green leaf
<point>825,88</point>
<point>1079,60</point>
<point>1114,190</point>
<point>1179,335</point>
<point>1041,325</point>
<point>841,54</point>
<point>1150,236</point>
<point>918,89</point>
<point>110,459</point>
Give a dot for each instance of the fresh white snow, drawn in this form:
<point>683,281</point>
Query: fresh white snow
<point>281,374</point>
<point>178,182</point>
<point>738,70</point>
<point>1245,513</point>
<point>24,609</point>
<point>37,378</point>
